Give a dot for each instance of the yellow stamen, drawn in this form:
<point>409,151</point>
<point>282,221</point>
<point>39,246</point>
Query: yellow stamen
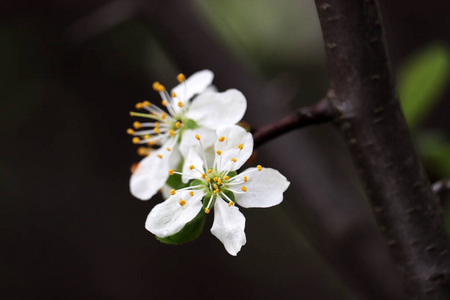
<point>215,179</point>
<point>230,203</point>
<point>156,130</point>
<point>178,124</point>
<point>130,131</point>
<point>209,171</point>
<point>245,178</point>
<point>146,103</point>
<point>233,159</point>
<point>136,125</point>
<point>240,146</point>
<point>207,210</point>
<point>155,85</point>
<point>138,105</point>
<point>221,139</point>
<point>156,124</point>
<point>243,188</point>
<point>174,94</point>
<point>259,167</point>
<point>203,175</point>
<point>191,167</point>
<point>215,186</point>
<point>171,172</point>
<point>208,179</point>
<point>226,177</point>
<point>219,182</point>
<point>218,152</point>
<point>197,137</point>
<point>160,88</point>
<point>182,202</point>
<point>163,116</point>
<point>216,191</point>
<point>172,192</point>
<point>181,78</point>
<point>180,104</point>
<point>164,103</point>
<point>191,193</point>
<point>160,156</point>
<point>168,149</point>
<point>146,137</point>
<point>142,151</point>
<point>171,132</point>
<point>135,140</point>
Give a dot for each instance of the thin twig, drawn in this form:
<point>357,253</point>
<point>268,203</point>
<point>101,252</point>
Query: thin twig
<point>442,189</point>
<point>318,113</point>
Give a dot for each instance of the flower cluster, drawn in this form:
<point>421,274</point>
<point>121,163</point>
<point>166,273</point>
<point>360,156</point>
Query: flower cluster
<point>195,151</point>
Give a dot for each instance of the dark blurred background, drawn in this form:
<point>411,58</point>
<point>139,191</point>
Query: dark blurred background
<point>72,70</point>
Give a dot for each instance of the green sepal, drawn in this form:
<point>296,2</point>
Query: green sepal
<point>231,174</point>
<point>175,182</point>
<point>190,124</point>
<point>189,232</point>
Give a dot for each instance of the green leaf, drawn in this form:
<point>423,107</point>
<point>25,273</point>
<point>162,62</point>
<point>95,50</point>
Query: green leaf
<point>422,79</point>
<point>189,232</point>
<point>434,148</point>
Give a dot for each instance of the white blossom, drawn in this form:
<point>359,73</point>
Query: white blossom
<point>209,110</point>
<point>215,187</point>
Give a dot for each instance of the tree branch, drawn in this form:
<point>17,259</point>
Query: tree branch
<point>373,125</point>
<point>318,113</point>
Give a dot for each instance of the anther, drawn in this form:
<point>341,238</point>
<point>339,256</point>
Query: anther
<point>259,167</point>
<point>163,116</point>
<point>243,188</point>
<point>168,149</point>
<point>172,192</point>
<point>216,191</point>
<point>178,124</point>
<point>197,137</point>
<point>191,193</point>
<point>142,151</point>
<point>138,105</point>
<point>174,94</point>
<point>219,182</point>
<point>171,132</point>
<point>135,140</point>
<point>182,202</point>
<point>215,179</point>
<point>160,156</point>
<point>191,167</point>
<point>155,85</point>
<point>233,159</point>
<point>245,178</point>
<point>240,146</point>
<point>164,103</point>
<point>203,175</point>
<point>221,139</point>
<point>180,77</point>
<point>130,131</point>
<point>230,203</point>
<point>207,210</point>
<point>226,177</point>
<point>156,130</point>
<point>180,104</point>
<point>218,152</point>
<point>136,125</point>
<point>209,171</point>
<point>171,172</point>
<point>146,103</point>
<point>215,186</point>
<point>146,137</point>
<point>208,179</point>
<point>161,88</point>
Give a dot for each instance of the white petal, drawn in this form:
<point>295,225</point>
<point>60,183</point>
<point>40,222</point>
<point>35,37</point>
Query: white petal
<point>169,217</point>
<point>165,191</point>
<point>195,84</point>
<point>207,137</point>
<point>234,135</point>
<point>265,188</point>
<point>228,226</point>
<point>151,174</point>
<point>214,110</point>
<point>192,159</point>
